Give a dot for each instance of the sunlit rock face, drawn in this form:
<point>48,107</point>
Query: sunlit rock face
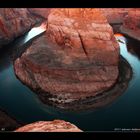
<point>76,58</point>
<point>113,15</point>
<point>131,25</point>
<point>13,23</point>
<point>49,126</point>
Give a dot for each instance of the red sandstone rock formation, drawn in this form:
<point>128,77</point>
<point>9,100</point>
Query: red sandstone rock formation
<point>49,126</point>
<point>14,22</point>
<point>77,57</point>
<point>131,25</point>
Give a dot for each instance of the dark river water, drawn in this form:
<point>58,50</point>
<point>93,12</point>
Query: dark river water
<point>21,103</point>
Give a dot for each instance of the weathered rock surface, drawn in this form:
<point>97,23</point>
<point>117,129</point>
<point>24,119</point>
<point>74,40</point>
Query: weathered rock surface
<point>76,58</point>
<point>49,126</point>
<point>7,123</point>
<point>131,25</point>
<point>14,22</point>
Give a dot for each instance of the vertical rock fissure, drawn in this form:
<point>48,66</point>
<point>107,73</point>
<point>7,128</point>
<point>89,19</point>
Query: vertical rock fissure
<point>84,49</point>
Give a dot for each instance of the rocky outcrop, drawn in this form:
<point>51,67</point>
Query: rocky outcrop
<point>49,126</point>
<point>15,22</point>
<point>76,58</point>
<point>131,25</point>
<point>7,123</point>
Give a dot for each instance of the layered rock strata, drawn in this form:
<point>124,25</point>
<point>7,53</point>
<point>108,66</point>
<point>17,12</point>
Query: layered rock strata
<point>77,57</point>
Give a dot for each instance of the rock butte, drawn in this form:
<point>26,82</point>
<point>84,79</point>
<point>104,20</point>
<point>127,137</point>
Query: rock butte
<point>49,126</point>
<point>76,58</point>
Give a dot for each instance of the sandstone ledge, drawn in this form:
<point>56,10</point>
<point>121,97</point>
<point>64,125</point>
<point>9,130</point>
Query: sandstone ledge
<point>49,126</point>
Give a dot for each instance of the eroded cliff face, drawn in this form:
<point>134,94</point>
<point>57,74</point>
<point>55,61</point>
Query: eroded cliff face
<point>131,24</point>
<point>76,58</point>
<point>14,22</point>
<point>49,126</point>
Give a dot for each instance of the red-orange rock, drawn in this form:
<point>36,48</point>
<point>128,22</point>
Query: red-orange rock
<point>49,126</point>
<point>14,22</point>
<point>76,58</point>
<point>113,15</point>
<point>83,29</point>
<point>131,25</point>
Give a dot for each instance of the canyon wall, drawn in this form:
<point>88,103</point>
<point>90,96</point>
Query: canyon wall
<point>14,22</point>
<point>131,24</point>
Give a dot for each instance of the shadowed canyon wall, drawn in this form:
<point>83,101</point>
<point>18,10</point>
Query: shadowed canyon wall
<point>131,24</point>
<point>14,22</point>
